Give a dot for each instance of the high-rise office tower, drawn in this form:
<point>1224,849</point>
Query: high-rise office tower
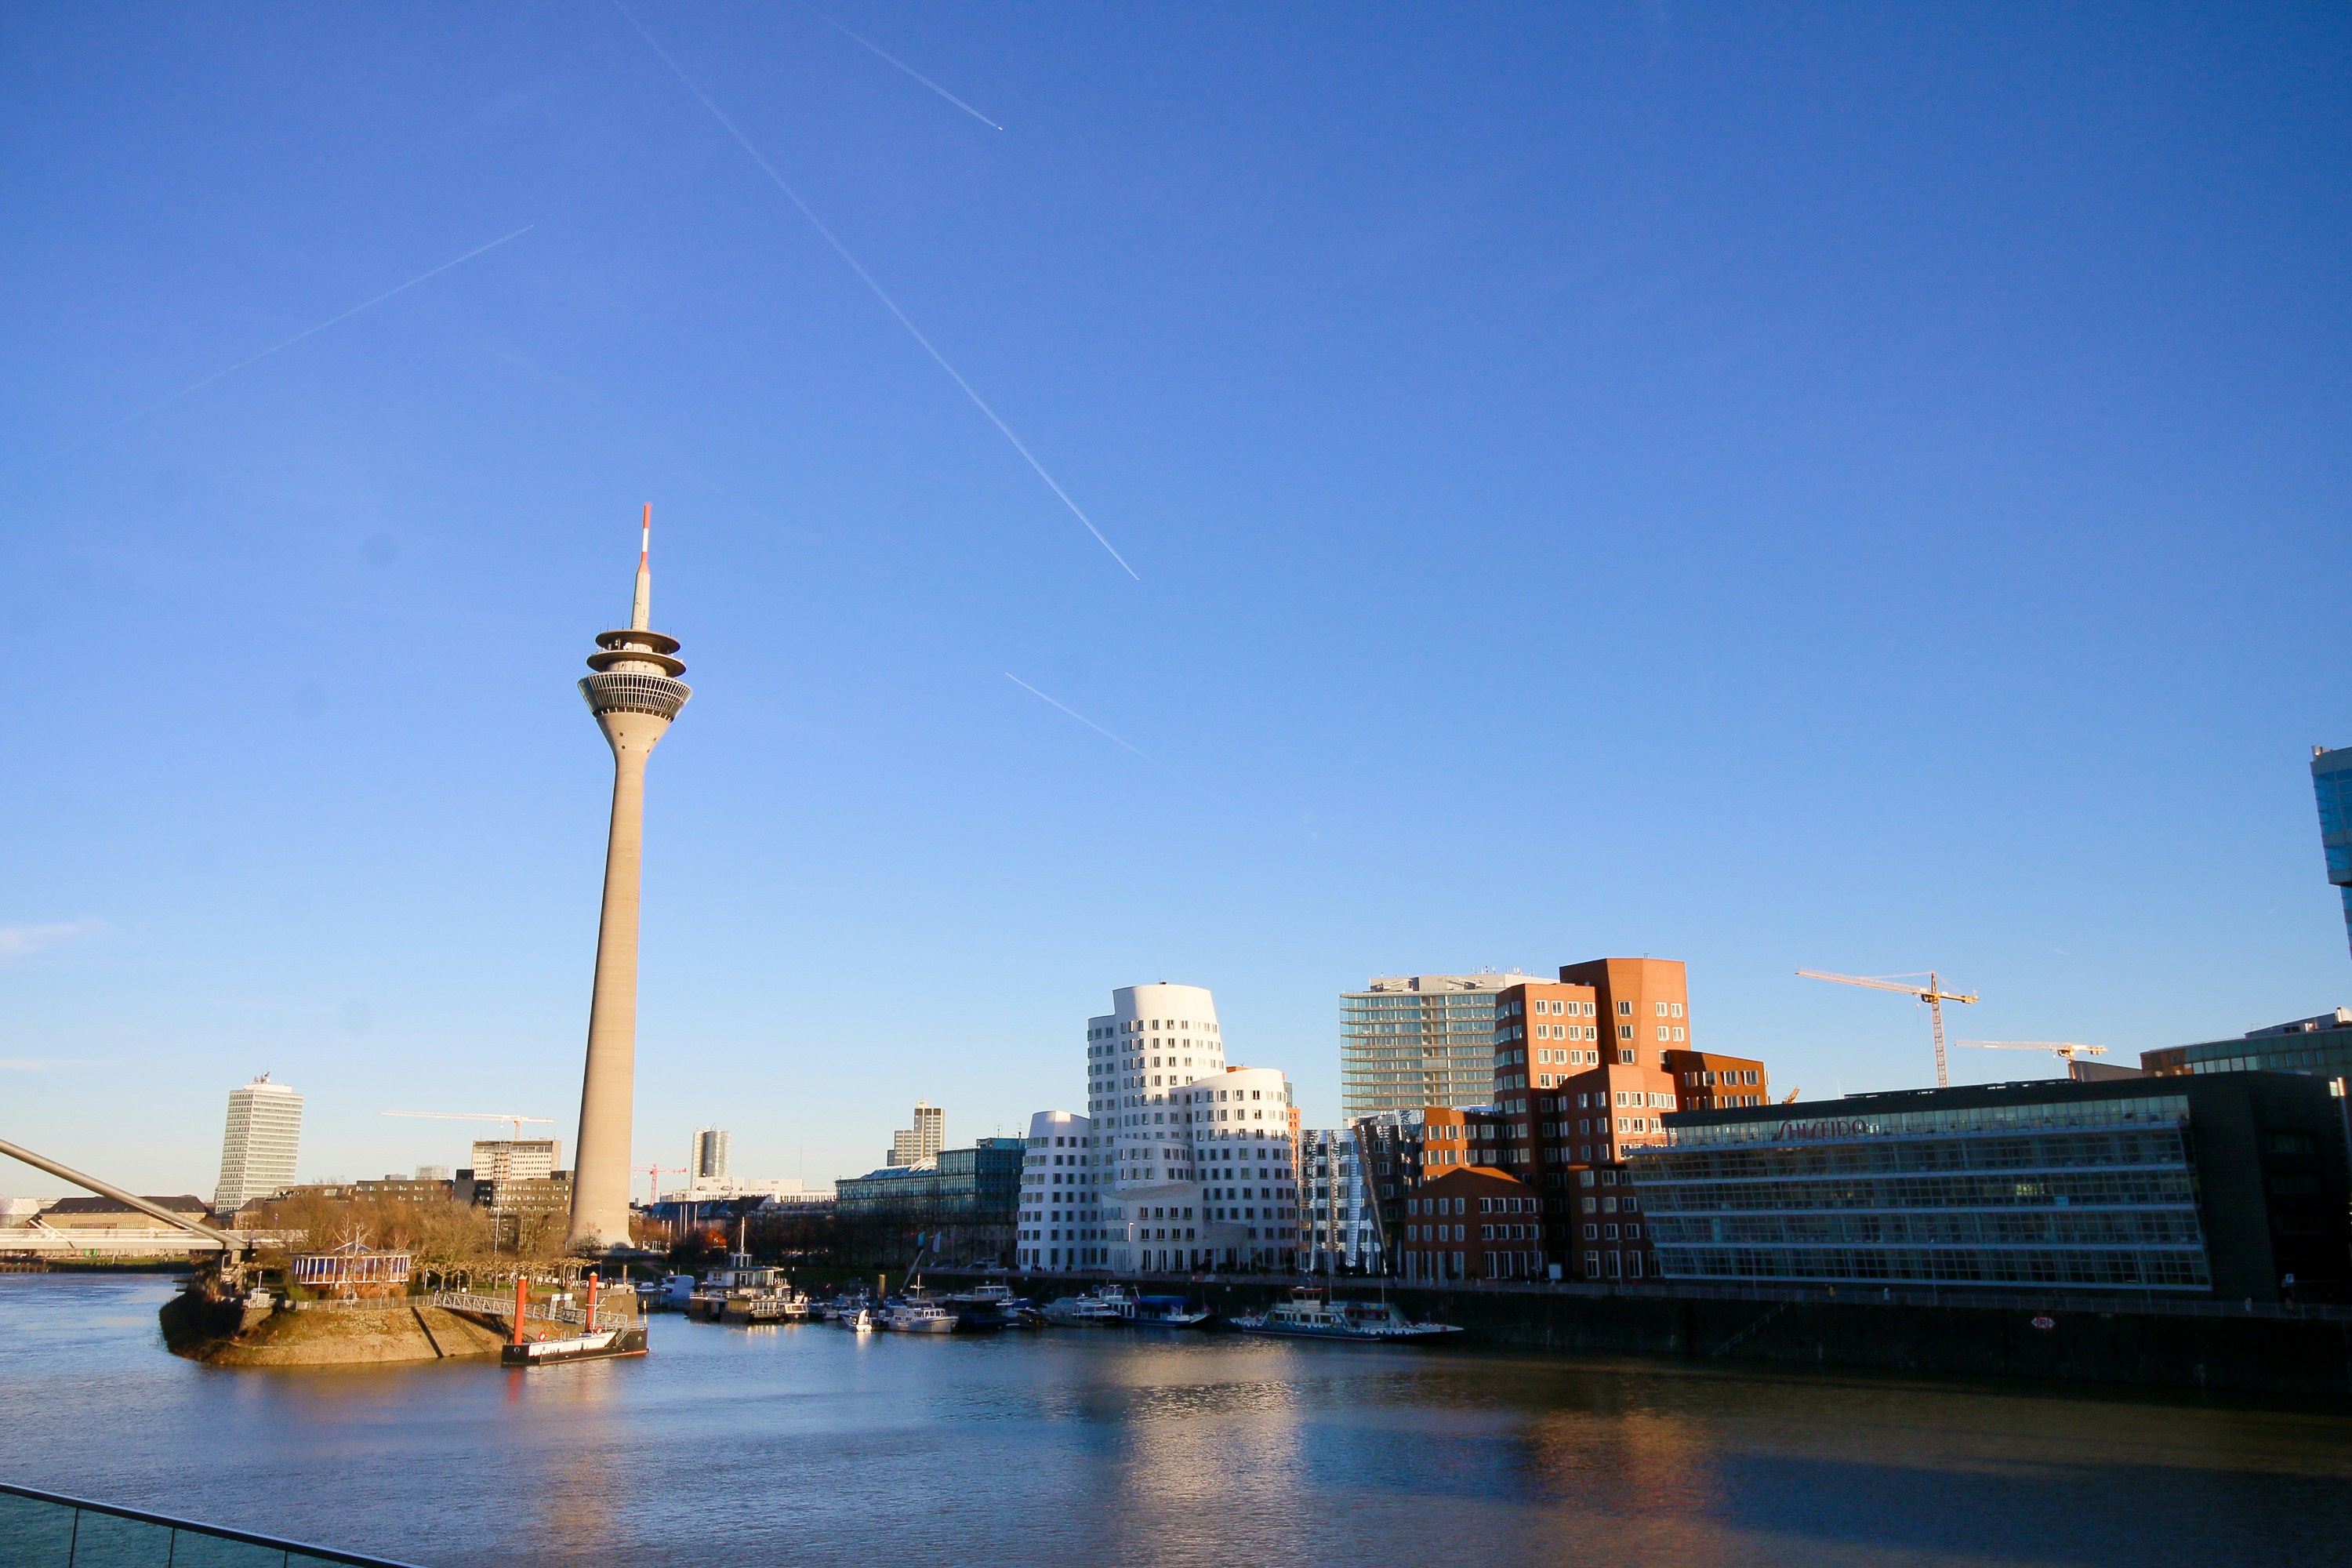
<point>923,1141</point>
<point>1409,1041</point>
<point>634,694</point>
<point>709,1154</point>
<point>2331,777</point>
<point>265,1127</point>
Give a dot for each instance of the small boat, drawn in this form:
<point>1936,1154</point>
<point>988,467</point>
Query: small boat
<point>547,1350</point>
<point>856,1320</point>
<point>1312,1314</point>
<point>1103,1307</point>
<point>917,1317</point>
<point>1168,1312</point>
<point>984,1307</point>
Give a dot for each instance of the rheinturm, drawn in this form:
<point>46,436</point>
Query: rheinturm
<point>635,692</point>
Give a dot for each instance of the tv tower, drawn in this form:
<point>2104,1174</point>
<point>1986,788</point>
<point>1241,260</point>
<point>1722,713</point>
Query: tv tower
<point>634,694</point>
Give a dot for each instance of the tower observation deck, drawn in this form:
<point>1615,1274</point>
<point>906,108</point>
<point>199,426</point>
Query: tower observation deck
<point>635,692</point>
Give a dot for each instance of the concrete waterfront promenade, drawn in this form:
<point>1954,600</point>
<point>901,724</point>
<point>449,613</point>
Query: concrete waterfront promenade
<point>2144,1340</point>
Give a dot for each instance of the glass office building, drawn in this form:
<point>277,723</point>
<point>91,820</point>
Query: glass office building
<point>2225,1185</point>
<point>2331,780</point>
<point>965,1203</point>
<point>2321,1047</point>
<point>1410,1041</point>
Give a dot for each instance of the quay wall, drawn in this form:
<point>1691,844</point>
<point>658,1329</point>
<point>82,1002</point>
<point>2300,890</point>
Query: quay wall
<point>2306,1356</point>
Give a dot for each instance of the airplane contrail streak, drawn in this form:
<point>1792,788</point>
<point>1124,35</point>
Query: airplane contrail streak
<point>1107,735</point>
<point>902,65</point>
<point>289,343</point>
<point>867,278</point>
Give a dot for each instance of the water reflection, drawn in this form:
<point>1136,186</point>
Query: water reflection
<point>809,1444</point>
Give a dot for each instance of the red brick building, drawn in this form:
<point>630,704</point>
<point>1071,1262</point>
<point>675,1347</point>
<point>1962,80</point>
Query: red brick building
<point>1583,1071</point>
<point>1534,1186</point>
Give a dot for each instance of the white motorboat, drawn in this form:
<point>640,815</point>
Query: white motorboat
<point>856,1320</point>
<point>1312,1314</point>
<point>1096,1307</point>
<point>918,1318</point>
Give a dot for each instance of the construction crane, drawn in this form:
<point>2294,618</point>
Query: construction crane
<point>1933,993</point>
<point>473,1116</point>
<point>653,1185</point>
<point>2064,1050</point>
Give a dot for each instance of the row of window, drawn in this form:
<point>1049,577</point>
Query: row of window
<point>2143,1270</point>
<point>2168,1110</point>
<point>1945,1227</point>
<point>2055,1151</point>
<point>2063,1189</point>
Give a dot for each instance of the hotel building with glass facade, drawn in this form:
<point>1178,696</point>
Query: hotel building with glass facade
<point>1415,1040</point>
<point>2227,1184</point>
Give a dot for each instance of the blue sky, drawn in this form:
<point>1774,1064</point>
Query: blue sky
<point>1839,486</point>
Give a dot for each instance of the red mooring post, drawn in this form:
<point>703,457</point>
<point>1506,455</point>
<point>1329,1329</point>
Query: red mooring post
<point>592,1282</point>
<point>522,1303</point>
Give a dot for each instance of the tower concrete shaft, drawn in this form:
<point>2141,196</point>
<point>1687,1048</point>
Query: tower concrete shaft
<point>634,694</point>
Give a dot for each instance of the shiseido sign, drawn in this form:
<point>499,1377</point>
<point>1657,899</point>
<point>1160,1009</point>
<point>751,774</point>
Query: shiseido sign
<point>1826,1127</point>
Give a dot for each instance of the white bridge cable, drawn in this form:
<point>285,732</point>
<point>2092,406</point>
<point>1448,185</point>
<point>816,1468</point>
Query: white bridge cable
<point>879,293</point>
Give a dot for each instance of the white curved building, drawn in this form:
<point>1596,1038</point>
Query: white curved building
<point>1196,1159</point>
<point>1061,1195</point>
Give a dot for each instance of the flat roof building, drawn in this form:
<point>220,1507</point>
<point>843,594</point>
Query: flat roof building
<point>2320,1045</point>
<point>260,1143</point>
<point>1412,1040</point>
<point>923,1141</point>
<point>2226,1184</point>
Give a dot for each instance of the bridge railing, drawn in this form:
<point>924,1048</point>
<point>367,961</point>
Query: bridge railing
<point>48,1530</point>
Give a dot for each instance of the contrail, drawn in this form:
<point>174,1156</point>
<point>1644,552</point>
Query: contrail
<point>903,65</point>
<point>1107,735</point>
<point>867,278</point>
<point>289,343</point>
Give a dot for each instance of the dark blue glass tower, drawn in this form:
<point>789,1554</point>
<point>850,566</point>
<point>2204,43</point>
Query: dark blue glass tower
<point>2331,777</point>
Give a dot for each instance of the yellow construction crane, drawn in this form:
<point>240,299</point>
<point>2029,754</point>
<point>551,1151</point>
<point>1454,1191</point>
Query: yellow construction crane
<point>2064,1050</point>
<point>1933,993</point>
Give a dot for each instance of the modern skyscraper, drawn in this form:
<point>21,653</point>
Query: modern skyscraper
<point>1407,1042</point>
<point>2331,778</point>
<point>634,694</point>
<point>709,1154</point>
<point>265,1129</point>
<point>923,1141</point>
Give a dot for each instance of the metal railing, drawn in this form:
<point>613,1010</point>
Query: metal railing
<point>609,1314</point>
<point>49,1529</point>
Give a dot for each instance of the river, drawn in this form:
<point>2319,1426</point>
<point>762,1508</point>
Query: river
<point>811,1444</point>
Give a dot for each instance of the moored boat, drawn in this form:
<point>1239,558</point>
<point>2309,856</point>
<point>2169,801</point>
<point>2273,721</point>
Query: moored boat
<point>1107,1306</point>
<point>1312,1314</point>
<point>917,1317</point>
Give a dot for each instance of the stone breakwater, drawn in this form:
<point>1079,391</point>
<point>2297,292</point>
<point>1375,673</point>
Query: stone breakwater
<point>224,1333</point>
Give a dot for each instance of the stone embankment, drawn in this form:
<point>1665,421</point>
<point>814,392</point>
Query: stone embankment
<point>2304,1353</point>
<point>222,1333</point>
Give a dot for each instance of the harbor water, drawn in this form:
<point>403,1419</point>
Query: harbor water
<point>806,1444</point>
